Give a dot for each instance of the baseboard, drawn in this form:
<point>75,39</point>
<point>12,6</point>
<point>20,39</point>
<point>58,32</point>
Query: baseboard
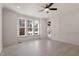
<point>66,42</point>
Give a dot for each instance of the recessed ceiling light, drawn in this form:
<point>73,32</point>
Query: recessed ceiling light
<point>18,7</point>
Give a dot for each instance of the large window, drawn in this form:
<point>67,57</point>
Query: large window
<point>28,27</point>
<point>36,27</point>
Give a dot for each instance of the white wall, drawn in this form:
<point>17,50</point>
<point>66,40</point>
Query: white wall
<point>0,28</point>
<point>69,27</point>
<point>10,28</point>
<point>66,27</point>
<point>43,28</point>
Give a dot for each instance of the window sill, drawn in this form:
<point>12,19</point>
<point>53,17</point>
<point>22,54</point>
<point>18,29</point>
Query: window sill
<point>27,36</point>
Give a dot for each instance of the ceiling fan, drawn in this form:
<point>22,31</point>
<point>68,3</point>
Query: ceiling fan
<point>48,7</point>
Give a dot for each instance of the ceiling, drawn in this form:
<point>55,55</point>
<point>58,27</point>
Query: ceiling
<point>32,9</point>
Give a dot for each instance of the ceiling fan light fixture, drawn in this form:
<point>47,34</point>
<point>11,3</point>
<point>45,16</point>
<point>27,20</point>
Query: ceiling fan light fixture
<point>47,9</point>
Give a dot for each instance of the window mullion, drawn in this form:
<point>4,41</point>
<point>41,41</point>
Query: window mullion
<point>25,27</point>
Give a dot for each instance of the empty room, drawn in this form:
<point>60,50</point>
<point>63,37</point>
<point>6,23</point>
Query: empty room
<point>39,29</point>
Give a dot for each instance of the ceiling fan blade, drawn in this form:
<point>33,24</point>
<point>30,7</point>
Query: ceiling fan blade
<point>53,8</point>
<point>50,5</point>
<point>47,6</point>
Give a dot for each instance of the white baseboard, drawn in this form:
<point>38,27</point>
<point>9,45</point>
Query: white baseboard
<point>66,42</point>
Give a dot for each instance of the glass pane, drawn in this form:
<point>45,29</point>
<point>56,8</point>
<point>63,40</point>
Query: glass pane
<point>36,29</point>
<point>29,29</point>
<point>36,33</point>
<point>36,25</point>
<point>29,23</point>
<point>21,31</point>
<point>22,22</point>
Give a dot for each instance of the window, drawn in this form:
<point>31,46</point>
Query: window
<point>36,27</point>
<point>28,27</point>
<point>21,26</point>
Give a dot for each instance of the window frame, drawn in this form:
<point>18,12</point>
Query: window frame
<point>33,23</point>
